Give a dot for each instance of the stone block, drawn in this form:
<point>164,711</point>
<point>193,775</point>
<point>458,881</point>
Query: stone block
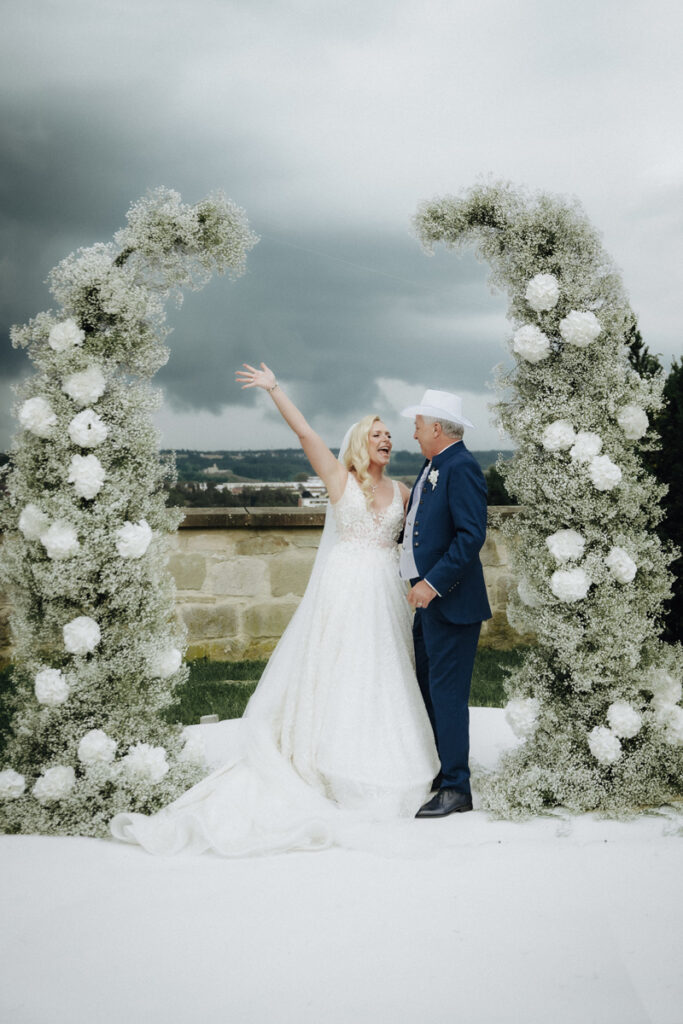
<point>210,541</point>
<point>289,573</point>
<point>306,538</point>
<point>206,622</point>
<point>226,649</point>
<point>493,551</point>
<point>240,576</point>
<point>268,619</point>
<point>189,570</point>
<point>499,634</point>
<point>264,543</point>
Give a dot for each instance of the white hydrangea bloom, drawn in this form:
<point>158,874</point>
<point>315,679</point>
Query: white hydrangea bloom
<point>146,762</point>
<point>604,745</point>
<point>604,473</point>
<point>133,539</point>
<point>194,751</point>
<point>621,565</point>
<point>570,585</point>
<point>87,475</point>
<point>531,344</point>
<point>566,545</point>
<point>663,685</point>
<point>586,446</point>
<point>580,329</point>
<point>86,387</point>
<point>65,335</point>
<point>60,540</point>
<point>166,663</point>
<point>87,429</point>
<point>624,720</point>
<point>81,635</point>
<point>522,716</point>
<point>633,421</point>
<point>54,784</point>
<point>37,415</point>
<point>674,728</point>
<point>12,784</point>
<point>33,522</point>
<point>527,595</point>
<point>96,748</point>
<point>558,436</point>
<point>542,292</point>
<point>51,688</point>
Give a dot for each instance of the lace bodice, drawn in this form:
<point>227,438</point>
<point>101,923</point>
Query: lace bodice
<point>358,524</point>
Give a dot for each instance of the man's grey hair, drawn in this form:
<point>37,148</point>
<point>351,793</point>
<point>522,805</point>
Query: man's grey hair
<point>450,429</point>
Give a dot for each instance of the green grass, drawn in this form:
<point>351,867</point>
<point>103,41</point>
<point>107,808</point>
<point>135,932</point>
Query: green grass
<point>223,687</point>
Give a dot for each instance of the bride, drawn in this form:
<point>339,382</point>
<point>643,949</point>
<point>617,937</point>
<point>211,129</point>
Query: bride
<point>336,731</point>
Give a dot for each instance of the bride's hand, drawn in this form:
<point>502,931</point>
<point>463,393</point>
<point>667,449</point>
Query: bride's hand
<point>253,378</point>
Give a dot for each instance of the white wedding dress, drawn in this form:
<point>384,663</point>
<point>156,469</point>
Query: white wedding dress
<point>336,733</point>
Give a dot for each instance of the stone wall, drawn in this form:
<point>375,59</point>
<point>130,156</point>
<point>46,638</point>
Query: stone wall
<point>241,572</point>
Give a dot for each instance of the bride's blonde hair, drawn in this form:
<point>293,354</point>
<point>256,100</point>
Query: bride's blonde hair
<point>357,456</point>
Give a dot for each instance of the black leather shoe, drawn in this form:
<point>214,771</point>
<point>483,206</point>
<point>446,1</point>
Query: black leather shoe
<point>436,782</point>
<point>446,801</point>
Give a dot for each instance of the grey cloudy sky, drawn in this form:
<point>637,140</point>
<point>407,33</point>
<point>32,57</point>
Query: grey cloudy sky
<point>329,122</point>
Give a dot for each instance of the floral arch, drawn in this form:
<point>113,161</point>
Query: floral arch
<point>596,702</point>
<point>98,652</point>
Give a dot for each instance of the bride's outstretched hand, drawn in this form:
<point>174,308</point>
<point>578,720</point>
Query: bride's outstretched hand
<point>250,377</point>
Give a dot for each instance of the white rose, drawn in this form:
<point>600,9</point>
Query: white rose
<point>51,688</point>
<point>531,344</point>
<point>54,784</point>
<point>604,745</point>
<point>86,387</point>
<point>87,429</point>
<point>527,595</point>
<point>674,728</point>
<point>633,421</point>
<point>133,539</point>
<point>146,762</point>
<point>33,523</point>
<point>542,292</point>
<point>36,414</point>
<point>194,751</point>
<point>604,473</point>
<point>87,475</point>
<point>558,436</point>
<point>585,447</point>
<point>624,720</point>
<point>65,335</point>
<point>12,784</point>
<point>565,545</point>
<point>96,748</point>
<point>580,329</point>
<point>166,663</point>
<point>664,686</point>
<point>60,540</point>
<point>522,716</point>
<point>570,585</point>
<point>81,635</point>
<point>621,565</point>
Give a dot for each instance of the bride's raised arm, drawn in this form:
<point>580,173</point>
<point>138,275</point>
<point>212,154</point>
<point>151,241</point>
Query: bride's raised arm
<point>332,473</point>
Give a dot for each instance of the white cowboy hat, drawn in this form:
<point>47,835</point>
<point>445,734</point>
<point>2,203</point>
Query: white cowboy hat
<point>439,405</point>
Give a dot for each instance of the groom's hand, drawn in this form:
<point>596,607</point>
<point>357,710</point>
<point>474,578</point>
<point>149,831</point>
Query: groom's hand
<point>421,594</point>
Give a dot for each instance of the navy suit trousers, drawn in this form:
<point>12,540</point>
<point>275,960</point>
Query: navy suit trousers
<point>444,658</point>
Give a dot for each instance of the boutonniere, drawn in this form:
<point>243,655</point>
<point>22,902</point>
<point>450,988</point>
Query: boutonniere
<point>433,478</point>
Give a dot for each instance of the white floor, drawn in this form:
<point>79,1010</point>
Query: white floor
<point>469,920</point>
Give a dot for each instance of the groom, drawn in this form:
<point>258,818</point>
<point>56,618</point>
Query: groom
<point>444,532</point>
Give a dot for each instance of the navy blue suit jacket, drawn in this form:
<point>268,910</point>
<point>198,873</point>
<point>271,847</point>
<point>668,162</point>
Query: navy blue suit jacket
<point>449,532</point>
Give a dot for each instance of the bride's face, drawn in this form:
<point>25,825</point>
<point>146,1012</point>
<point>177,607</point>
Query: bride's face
<point>379,444</point>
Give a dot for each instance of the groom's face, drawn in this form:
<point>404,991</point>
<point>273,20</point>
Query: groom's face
<point>426,435</point>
